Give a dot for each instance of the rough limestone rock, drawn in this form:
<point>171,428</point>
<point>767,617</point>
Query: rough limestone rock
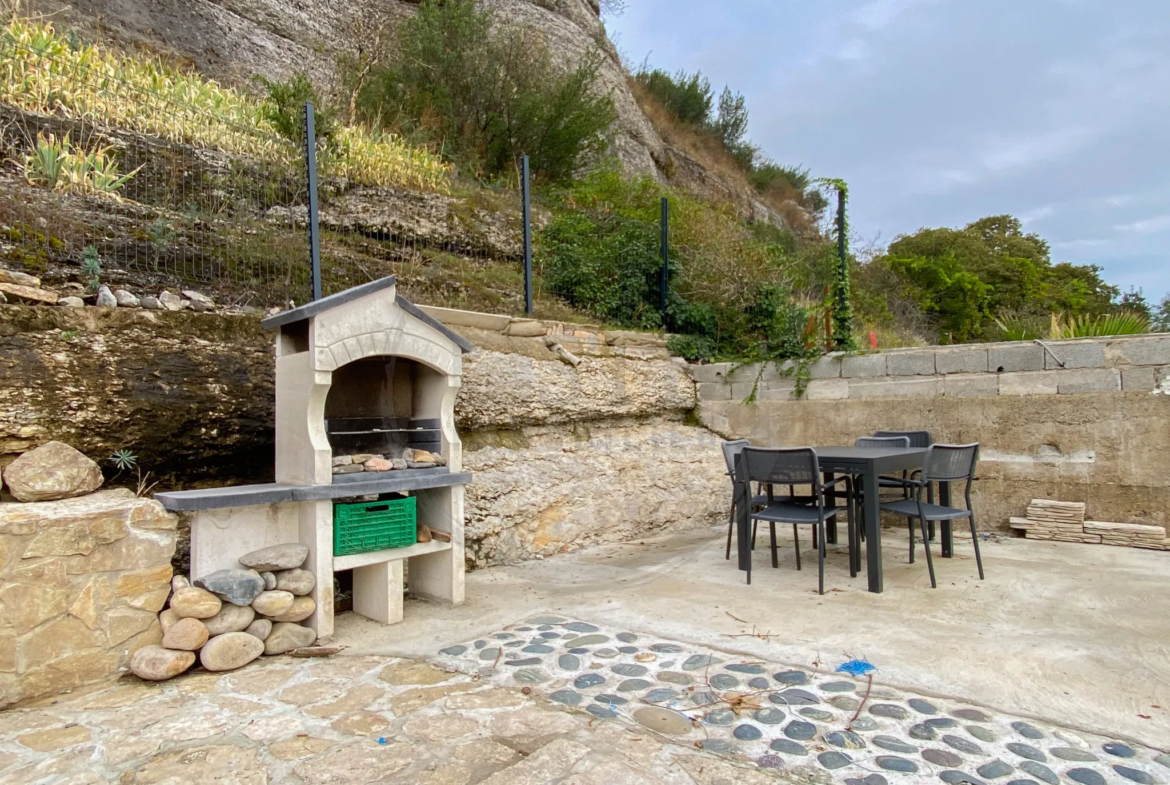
<point>71,302</point>
<point>231,618</point>
<point>230,651</point>
<point>150,303</point>
<point>273,603</point>
<point>278,557</point>
<point>278,39</point>
<point>106,298</point>
<point>286,637</point>
<point>171,302</point>
<point>260,628</point>
<point>126,299</point>
<point>298,582</point>
<point>195,603</point>
<point>154,663</point>
<point>186,635</point>
<point>180,582</point>
<point>302,608</point>
<point>269,580</point>
<point>50,472</point>
<point>506,390</point>
<point>549,490</point>
<point>239,587</point>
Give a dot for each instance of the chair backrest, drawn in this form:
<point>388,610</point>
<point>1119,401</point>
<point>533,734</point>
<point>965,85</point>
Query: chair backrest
<point>882,441</point>
<point>948,462</point>
<point>917,438</point>
<point>781,466</point>
<point>732,449</point>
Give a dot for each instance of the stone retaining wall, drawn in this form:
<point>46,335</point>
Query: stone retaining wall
<point>81,583</point>
<point>1093,431</point>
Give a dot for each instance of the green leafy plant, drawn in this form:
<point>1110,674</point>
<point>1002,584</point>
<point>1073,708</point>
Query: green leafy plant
<point>125,461</point>
<point>1015,327</point>
<point>1085,326</point>
<point>91,265</point>
<point>69,336</point>
<point>285,108</point>
<point>487,93</point>
<point>57,165</point>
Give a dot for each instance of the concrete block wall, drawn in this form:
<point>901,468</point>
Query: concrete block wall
<point>1084,420</point>
<point>1072,367</point>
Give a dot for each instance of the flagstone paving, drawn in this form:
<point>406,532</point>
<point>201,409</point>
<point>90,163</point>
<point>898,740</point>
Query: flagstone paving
<point>548,700</point>
<point>775,717</point>
<point>343,721</point>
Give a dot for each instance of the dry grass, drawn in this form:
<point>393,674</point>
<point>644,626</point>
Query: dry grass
<point>709,151</point>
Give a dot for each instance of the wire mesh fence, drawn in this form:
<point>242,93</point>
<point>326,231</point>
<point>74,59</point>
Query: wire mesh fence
<point>130,179</point>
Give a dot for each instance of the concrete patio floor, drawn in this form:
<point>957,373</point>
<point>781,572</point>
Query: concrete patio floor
<point>1075,635</point>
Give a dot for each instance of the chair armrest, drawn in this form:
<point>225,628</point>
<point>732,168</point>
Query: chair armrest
<point>911,483</point>
<point>834,482</point>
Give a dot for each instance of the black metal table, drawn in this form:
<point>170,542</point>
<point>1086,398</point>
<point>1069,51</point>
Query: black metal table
<point>866,463</point>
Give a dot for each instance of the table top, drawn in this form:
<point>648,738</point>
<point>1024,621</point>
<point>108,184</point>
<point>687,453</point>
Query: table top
<point>877,459</point>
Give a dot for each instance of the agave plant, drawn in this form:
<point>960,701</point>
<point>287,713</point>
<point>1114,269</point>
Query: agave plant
<point>1085,326</point>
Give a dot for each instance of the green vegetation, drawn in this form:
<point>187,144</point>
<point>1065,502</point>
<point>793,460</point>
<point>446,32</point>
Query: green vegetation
<point>962,279</point>
<point>51,73</point>
<point>731,287</point>
<point>59,166</point>
<point>485,94</point>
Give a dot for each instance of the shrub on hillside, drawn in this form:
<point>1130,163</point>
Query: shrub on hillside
<point>731,286</point>
<point>487,94</point>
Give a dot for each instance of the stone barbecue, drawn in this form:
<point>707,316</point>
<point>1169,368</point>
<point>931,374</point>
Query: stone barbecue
<point>365,410</point>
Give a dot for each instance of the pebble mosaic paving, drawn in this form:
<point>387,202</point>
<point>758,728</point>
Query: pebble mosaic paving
<point>784,718</point>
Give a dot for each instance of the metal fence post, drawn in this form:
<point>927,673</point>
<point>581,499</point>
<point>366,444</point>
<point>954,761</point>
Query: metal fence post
<point>527,196</point>
<point>664,277</point>
<point>311,182</point>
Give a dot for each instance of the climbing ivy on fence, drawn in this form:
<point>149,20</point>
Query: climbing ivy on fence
<point>842,295</point>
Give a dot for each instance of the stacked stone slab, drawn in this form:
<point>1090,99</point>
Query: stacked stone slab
<point>1065,522</point>
<point>230,617</point>
<point>1130,535</point>
<point>1060,521</point>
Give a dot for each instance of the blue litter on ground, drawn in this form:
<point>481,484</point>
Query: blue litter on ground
<point>856,667</point>
<point>381,740</point>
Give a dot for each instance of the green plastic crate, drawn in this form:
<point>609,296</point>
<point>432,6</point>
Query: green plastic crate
<point>374,526</point>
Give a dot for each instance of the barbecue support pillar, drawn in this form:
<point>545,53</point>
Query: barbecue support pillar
<point>316,531</point>
<point>377,591</point>
<point>439,575</point>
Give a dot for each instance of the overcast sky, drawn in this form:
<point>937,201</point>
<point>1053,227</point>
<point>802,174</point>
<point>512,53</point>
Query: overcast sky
<point>939,112</point>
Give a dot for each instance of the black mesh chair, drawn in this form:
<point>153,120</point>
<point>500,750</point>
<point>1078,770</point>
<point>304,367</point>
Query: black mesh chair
<point>730,450</point>
<point>798,466</point>
<point>882,441</point>
<point>944,463</point>
<point>921,440</point>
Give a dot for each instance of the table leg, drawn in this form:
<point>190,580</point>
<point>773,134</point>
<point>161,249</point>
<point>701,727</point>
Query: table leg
<point>948,534</point>
<point>743,542</point>
<point>854,532</point>
<point>873,530</point>
<point>831,499</point>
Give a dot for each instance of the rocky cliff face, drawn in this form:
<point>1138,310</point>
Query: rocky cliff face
<point>564,455</point>
<point>235,40</point>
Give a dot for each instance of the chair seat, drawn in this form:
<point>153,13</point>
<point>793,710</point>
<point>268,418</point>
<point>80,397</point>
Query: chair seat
<point>794,513</point>
<point>932,512</point>
<point>762,500</point>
